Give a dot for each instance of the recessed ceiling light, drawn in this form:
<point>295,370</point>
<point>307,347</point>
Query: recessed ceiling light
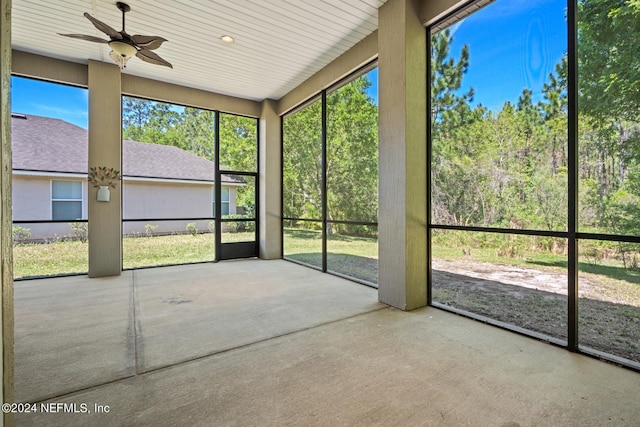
<point>227,39</point>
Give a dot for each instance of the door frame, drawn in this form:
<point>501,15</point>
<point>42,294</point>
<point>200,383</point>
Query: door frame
<point>249,249</point>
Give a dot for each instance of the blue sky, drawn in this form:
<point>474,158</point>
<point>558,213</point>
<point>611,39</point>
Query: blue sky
<point>39,98</point>
<point>373,89</point>
<point>513,44</point>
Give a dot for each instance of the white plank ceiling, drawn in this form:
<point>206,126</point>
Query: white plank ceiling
<point>278,43</point>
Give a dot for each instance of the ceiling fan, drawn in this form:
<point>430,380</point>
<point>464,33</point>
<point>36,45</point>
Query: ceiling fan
<point>123,45</point>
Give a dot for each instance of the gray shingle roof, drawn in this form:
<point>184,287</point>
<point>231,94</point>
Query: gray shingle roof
<point>53,145</point>
<point>43,144</point>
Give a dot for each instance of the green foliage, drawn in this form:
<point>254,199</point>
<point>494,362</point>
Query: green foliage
<point>608,58</point>
<point>192,228</point>
<point>449,109</point>
<point>80,231</point>
<point>149,229</point>
<point>238,143</point>
<point>20,234</point>
<point>352,158</point>
<point>509,168</point>
<point>352,154</point>
<point>302,163</point>
<point>239,226</point>
<point>190,129</point>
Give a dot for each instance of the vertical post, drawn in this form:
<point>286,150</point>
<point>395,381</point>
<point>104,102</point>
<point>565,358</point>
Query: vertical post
<point>270,182</point>
<point>325,212</point>
<point>6,248</point>
<point>402,178</point>
<point>105,149</point>
<point>282,186</point>
<point>428,182</point>
<point>217,186</point>
<point>572,166</point>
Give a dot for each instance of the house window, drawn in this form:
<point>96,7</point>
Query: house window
<point>66,200</point>
<point>224,200</point>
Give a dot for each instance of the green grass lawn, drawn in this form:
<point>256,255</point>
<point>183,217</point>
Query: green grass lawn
<point>162,250</point>
<point>69,257</point>
<point>356,256</point>
<point>352,256</point>
<point>50,259</point>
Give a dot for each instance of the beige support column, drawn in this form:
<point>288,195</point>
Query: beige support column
<point>105,149</point>
<point>6,248</point>
<point>270,182</point>
<point>402,216</point>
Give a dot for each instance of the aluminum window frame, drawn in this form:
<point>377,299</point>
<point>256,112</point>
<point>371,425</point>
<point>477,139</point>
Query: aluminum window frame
<point>572,234</point>
<point>324,217</point>
<point>55,200</point>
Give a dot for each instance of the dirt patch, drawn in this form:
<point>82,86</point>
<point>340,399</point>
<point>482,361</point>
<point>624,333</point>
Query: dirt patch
<point>522,278</point>
<point>536,299</point>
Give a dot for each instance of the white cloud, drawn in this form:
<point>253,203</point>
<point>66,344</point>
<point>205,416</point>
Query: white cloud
<point>60,111</point>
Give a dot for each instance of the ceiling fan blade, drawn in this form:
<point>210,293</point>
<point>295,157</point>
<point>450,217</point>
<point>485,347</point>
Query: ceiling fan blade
<point>103,27</point>
<point>85,37</point>
<point>148,42</point>
<point>152,58</point>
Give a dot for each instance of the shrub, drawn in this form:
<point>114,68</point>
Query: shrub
<point>192,228</point>
<point>20,234</point>
<point>150,229</point>
<point>80,231</point>
<point>240,226</point>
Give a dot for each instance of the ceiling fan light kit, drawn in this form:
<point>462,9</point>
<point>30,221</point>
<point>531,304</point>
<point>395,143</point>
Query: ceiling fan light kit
<point>122,48</point>
<point>123,45</point>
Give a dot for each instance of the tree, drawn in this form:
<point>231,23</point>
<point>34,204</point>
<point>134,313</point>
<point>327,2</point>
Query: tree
<point>609,102</point>
<point>302,163</point>
<point>238,152</point>
<point>352,154</point>
<point>197,128</point>
<point>352,158</point>
<point>449,109</point>
<point>238,142</point>
<point>555,109</point>
<point>608,58</point>
<point>503,169</point>
<point>136,113</point>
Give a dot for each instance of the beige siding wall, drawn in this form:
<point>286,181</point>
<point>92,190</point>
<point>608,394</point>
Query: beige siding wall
<point>156,200</point>
<point>32,202</point>
<point>31,198</point>
<point>143,199</point>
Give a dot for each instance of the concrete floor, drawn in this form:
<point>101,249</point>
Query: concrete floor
<point>274,343</point>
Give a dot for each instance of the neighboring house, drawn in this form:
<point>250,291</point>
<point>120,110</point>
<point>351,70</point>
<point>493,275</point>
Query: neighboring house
<point>49,181</point>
